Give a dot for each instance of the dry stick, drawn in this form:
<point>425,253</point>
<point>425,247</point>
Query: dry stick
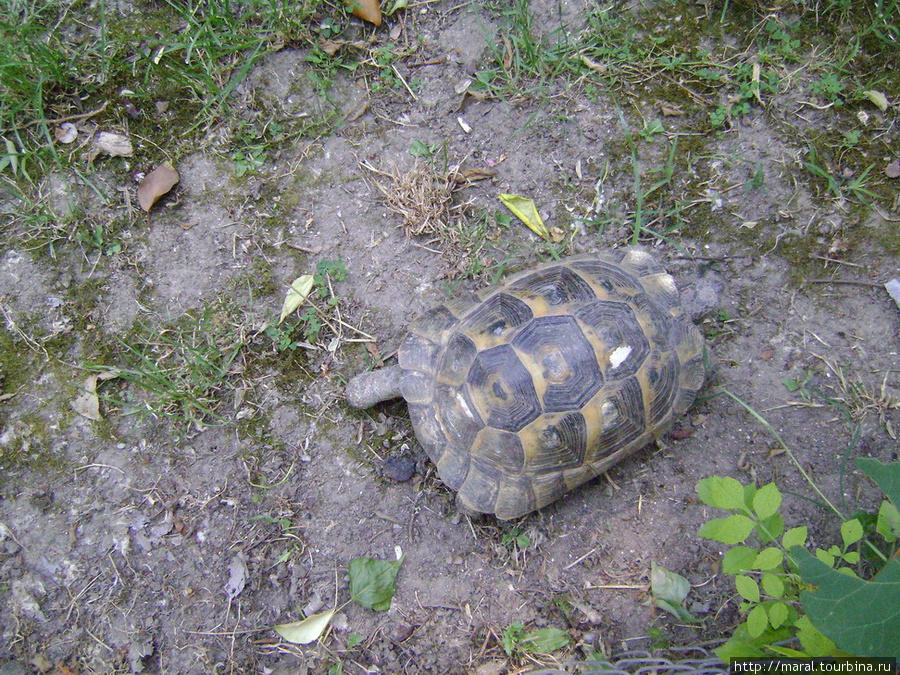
<point>842,281</point>
<point>60,120</point>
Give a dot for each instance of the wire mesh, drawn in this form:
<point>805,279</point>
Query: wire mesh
<point>696,660</point>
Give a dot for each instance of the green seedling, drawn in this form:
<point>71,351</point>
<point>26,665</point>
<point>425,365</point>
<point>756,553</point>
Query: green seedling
<point>516,639</point>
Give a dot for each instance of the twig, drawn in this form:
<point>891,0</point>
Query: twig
<point>69,118</point>
<point>842,281</point>
<point>572,564</point>
<point>403,80</point>
<point>835,260</point>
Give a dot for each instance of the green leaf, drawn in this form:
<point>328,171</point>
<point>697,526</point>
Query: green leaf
<point>778,614</point>
<point>749,494</point>
<point>888,523</point>
<point>721,492</point>
<point>766,501</point>
<point>796,536</point>
<point>757,621</point>
<point>308,630</point>
<point>743,645</point>
<point>511,637</point>
<point>787,651</point>
<point>772,584</point>
<point>812,641</point>
<point>396,6</point>
<point>747,588</point>
<point>768,559</point>
<point>669,590</point>
<point>419,149</point>
<point>668,585</point>
<point>738,559</point>
<point>792,385</point>
<point>544,640</point>
<point>731,530</point>
<point>851,532</point>
<point>770,529</point>
<point>372,582</point>
<point>861,617</point>
<point>886,476</point>
<point>825,557</point>
<point>676,610</point>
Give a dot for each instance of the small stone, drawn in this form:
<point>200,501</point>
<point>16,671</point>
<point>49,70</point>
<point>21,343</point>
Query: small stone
<point>402,633</point>
<point>399,469</point>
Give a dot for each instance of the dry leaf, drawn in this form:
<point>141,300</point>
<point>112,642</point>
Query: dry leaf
<point>367,10</point>
<point>374,352</point>
<point>66,133</point>
<point>464,125</point>
<point>237,577</point>
<point>463,85</point>
<point>508,56</point>
<point>155,184</point>
<point>525,210</point>
<point>892,170</point>
<point>893,289</point>
<point>114,145</point>
<point>474,174</point>
<point>296,295</point>
<point>754,77</point>
<point>331,47</point>
<point>306,631</point>
<point>671,111</point>
<point>879,99</point>
<point>593,65</point>
<point>87,403</point>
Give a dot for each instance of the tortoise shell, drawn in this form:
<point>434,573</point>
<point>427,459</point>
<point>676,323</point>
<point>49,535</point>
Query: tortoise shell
<point>550,379</point>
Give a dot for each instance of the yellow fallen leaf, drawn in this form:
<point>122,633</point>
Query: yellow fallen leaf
<point>155,184</point>
<point>525,210</point>
<point>593,65</point>
<point>367,10</point>
<point>296,295</point>
<point>306,631</point>
<point>879,99</point>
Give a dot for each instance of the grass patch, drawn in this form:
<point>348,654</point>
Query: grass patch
<point>162,74</point>
<point>189,371</point>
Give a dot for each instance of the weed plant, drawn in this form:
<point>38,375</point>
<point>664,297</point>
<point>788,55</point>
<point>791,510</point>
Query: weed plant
<point>840,602</point>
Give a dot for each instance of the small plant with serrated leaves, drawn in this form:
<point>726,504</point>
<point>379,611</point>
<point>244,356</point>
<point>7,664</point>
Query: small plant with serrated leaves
<point>789,594</point>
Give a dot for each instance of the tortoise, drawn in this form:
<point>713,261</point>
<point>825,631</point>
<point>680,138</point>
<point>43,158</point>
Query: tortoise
<point>538,385</point>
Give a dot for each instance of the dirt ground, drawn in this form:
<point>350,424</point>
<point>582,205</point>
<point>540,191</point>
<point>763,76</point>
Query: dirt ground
<point>145,544</point>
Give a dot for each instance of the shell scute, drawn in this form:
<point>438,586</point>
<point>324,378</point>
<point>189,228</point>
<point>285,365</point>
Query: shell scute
<point>502,389</point>
<point>561,362</point>
<point>552,287</point>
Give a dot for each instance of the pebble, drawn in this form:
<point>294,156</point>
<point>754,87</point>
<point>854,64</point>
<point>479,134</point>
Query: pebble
<point>399,468</point>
